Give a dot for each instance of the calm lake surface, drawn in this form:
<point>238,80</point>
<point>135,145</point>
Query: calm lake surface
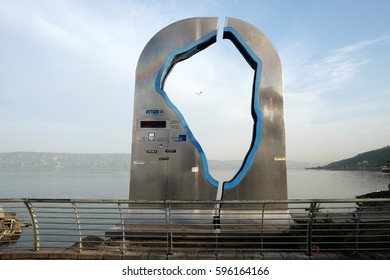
<point>305,184</point>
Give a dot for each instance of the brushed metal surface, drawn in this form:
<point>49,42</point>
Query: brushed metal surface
<point>168,162</point>
<point>266,177</point>
<point>169,167</point>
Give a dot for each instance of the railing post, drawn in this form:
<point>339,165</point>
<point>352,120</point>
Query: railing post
<point>168,223</point>
<point>35,225</point>
<point>357,221</point>
<point>122,227</point>
<point>217,217</point>
<point>262,228</point>
<point>312,210</point>
<point>78,225</point>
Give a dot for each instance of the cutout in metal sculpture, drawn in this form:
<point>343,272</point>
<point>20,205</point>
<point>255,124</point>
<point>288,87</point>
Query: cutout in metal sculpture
<point>167,160</point>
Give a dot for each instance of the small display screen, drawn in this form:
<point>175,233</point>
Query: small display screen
<point>153,124</point>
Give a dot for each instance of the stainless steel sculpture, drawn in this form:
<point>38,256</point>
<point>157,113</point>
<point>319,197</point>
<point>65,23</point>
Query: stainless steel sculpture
<point>168,163</point>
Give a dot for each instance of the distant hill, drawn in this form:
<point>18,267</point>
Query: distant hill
<point>37,161</point>
<point>372,160</point>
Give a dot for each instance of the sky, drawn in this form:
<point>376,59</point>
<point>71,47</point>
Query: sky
<point>67,74</point>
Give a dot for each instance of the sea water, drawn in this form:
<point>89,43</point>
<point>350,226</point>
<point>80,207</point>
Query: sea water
<point>302,184</point>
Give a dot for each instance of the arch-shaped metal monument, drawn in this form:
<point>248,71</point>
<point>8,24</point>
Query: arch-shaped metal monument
<point>167,160</point>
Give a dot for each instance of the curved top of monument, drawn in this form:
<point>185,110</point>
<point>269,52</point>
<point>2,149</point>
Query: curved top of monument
<point>175,36</point>
<point>187,31</point>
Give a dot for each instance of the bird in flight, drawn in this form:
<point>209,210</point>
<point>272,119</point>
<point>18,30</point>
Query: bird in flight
<point>198,93</point>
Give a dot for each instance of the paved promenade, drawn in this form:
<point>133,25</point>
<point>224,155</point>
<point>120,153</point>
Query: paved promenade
<point>71,254</point>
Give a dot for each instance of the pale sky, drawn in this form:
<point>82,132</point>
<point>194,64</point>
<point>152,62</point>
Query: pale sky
<point>67,72</point>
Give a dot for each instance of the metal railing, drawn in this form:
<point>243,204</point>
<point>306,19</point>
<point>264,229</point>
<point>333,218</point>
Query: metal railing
<point>308,226</point>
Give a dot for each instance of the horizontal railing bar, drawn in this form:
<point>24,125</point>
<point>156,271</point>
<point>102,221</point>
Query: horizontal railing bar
<point>240,202</point>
